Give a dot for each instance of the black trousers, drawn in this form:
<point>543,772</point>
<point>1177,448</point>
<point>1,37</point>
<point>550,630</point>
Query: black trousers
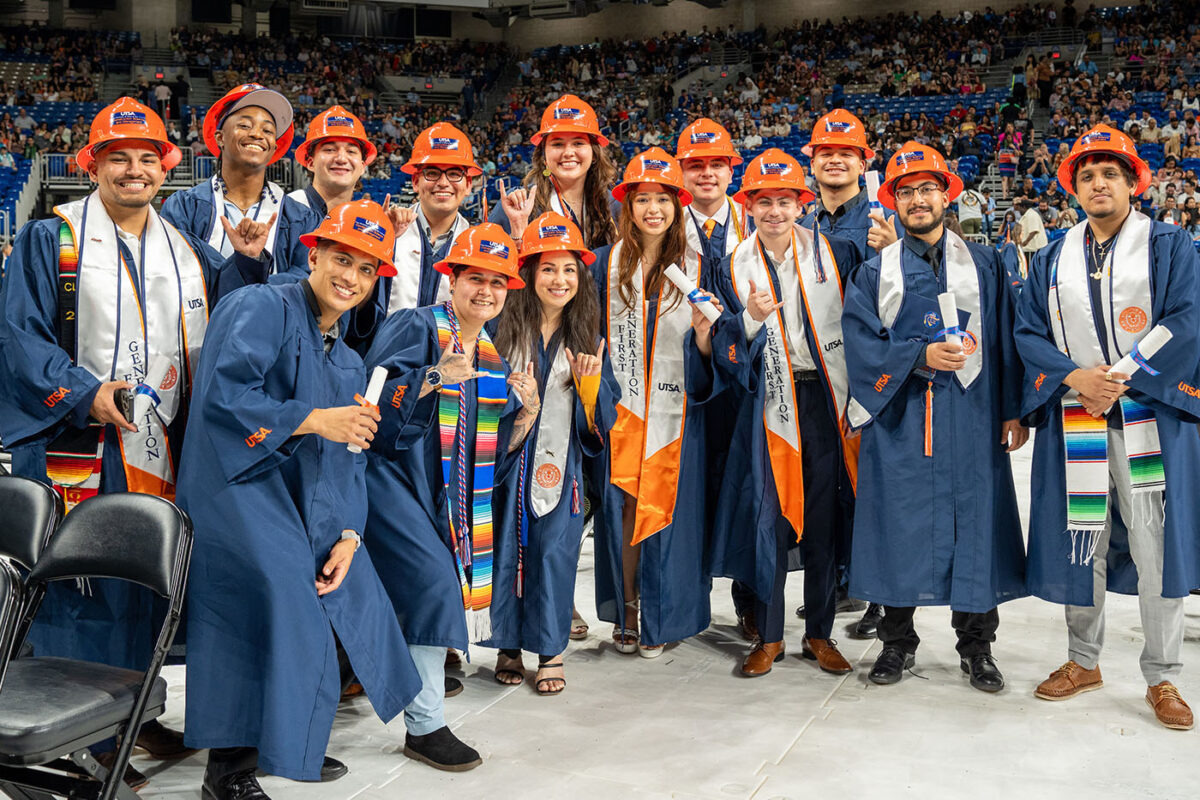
<point>976,631</point>
<point>822,466</point>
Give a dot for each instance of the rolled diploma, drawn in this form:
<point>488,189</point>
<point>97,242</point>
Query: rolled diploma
<point>374,389</point>
<point>144,401</point>
<point>1150,344</point>
<point>872,179</point>
<point>690,291</point>
<point>949,309</point>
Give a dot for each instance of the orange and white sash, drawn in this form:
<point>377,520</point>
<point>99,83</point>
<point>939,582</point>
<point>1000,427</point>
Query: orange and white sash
<point>156,352</point>
<point>822,299</point>
<point>647,439</point>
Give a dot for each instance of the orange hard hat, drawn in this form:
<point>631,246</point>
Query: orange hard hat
<point>442,145</point>
<point>839,127</point>
<point>911,159</point>
<point>551,233</point>
<point>335,123</point>
<point>569,114</point>
<point>245,96</point>
<point>653,166</point>
<point>128,119</point>
<point>362,225</point>
<point>1109,141</point>
<point>773,169</point>
<point>485,246</point>
<point>705,138</point>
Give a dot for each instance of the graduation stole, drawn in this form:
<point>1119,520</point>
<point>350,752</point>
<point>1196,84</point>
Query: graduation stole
<point>693,232</point>
<point>647,438</point>
<point>820,290</point>
<point>1126,301</point>
<point>144,326</point>
<point>472,540</point>
<point>406,283</point>
<point>271,202</point>
<point>547,448</point>
<point>962,278</point>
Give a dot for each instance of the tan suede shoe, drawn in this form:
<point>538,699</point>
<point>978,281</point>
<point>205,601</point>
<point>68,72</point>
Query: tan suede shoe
<point>1069,680</point>
<point>1169,707</point>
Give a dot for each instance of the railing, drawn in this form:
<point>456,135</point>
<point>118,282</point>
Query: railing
<point>59,171</point>
<point>5,228</point>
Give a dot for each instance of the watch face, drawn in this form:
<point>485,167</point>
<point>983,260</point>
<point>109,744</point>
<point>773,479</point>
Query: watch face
<point>434,377</point>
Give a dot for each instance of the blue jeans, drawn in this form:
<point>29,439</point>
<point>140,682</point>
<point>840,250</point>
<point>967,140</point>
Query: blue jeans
<point>425,714</point>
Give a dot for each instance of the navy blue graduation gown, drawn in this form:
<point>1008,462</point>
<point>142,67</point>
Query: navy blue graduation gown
<point>1175,286</point>
<point>115,622</point>
<point>673,581</point>
<point>408,530</point>
<point>192,210</point>
<point>267,508</point>
<point>1010,257</point>
<point>853,225</point>
<point>942,530</point>
<point>748,510</point>
<point>540,620</point>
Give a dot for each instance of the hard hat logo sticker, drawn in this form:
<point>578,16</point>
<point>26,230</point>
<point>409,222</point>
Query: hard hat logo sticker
<point>704,137</point>
<point>776,168</point>
<point>338,122</point>
<point>654,165</point>
<point>568,113</point>
<point>552,232</point>
<point>838,126</point>
<point>1096,136</point>
<point>127,118</point>
<point>372,229</point>
<point>493,248</point>
<point>904,158</point>
<point>444,143</point>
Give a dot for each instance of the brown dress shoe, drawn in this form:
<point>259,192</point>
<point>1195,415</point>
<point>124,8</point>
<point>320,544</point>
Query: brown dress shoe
<point>1169,707</point>
<point>162,743</point>
<point>761,658</point>
<point>748,627</point>
<point>825,653</point>
<point>133,779</point>
<point>1067,681</point>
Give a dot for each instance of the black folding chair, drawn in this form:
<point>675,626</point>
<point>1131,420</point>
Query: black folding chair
<point>53,709</point>
<point>29,513</point>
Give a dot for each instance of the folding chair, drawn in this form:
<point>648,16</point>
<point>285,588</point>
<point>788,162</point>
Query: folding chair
<point>53,709</point>
<point>29,513</point>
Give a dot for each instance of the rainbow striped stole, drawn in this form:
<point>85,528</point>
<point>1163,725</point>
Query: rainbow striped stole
<point>471,540</point>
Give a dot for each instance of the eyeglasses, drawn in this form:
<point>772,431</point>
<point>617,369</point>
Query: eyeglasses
<point>905,193</point>
<point>433,174</point>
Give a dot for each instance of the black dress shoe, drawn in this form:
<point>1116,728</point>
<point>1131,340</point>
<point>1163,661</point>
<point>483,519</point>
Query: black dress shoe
<point>332,769</point>
<point>844,605</point>
<point>234,786</point>
<point>890,665</point>
<point>453,686</point>
<point>985,675</point>
<point>442,750</point>
<point>866,627</point>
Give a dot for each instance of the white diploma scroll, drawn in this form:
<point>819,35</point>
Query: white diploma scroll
<point>1150,344</point>
<point>691,292</point>
<point>872,179</point>
<point>948,307</point>
<point>374,389</point>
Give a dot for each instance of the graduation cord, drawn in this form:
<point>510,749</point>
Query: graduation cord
<point>460,453</point>
<point>929,420</point>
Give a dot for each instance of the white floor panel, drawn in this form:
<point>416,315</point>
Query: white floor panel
<point>686,725</point>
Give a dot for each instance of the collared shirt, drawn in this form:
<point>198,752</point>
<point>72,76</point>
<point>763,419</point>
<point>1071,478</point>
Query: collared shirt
<point>235,214</point>
<point>791,312</point>
<point>931,254</point>
<point>840,211</point>
<point>328,338</point>
<point>721,218</point>
<point>441,241</point>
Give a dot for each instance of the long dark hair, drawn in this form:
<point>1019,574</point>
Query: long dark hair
<point>521,321</point>
<point>598,228</point>
<point>674,248</point>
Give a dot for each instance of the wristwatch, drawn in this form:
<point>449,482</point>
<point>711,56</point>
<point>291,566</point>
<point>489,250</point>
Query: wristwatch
<point>433,376</point>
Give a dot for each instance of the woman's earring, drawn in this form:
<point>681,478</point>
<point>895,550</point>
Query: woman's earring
<point>545,173</point>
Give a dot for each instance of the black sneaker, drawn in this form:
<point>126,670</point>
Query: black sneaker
<point>442,750</point>
<point>234,786</point>
<point>889,667</point>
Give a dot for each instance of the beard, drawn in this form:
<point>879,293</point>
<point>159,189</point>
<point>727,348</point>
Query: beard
<point>937,218</point>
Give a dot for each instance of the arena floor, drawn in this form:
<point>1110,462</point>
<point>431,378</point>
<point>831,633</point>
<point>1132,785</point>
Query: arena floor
<point>688,726</point>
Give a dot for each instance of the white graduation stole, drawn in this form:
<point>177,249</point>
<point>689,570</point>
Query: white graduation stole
<point>271,203</point>
<point>406,284</point>
<point>647,438</point>
<point>822,299</point>
<point>301,197</point>
<point>1126,301</point>
<point>157,352</point>
<point>553,434</point>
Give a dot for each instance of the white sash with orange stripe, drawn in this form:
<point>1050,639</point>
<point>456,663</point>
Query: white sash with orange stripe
<point>647,439</point>
<point>821,294</point>
<point>406,284</point>
<point>157,352</point>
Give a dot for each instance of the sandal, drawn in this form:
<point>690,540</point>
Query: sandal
<point>538,683</point>
<point>650,650</point>
<point>509,672</point>
<point>579,626</point>
<point>626,639</point>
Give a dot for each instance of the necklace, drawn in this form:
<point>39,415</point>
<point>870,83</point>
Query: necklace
<point>1100,255</point>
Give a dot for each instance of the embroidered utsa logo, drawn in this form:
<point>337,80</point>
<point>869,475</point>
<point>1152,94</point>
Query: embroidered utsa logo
<point>1037,384</point>
<point>829,347</point>
<point>733,353</point>
<point>257,436</point>
<point>548,476</point>
<point>669,387</point>
<point>1132,319</point>
<point>882,382</point>
<point>55,396</point>
<point>170,379</point>
<point>398,397</point>
<point>931,320</point>
<point>1191,391</point>
<point>969,345</point>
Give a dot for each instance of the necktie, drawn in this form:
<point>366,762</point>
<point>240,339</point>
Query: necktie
<point>709,225</point>
<point>934,256</point>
